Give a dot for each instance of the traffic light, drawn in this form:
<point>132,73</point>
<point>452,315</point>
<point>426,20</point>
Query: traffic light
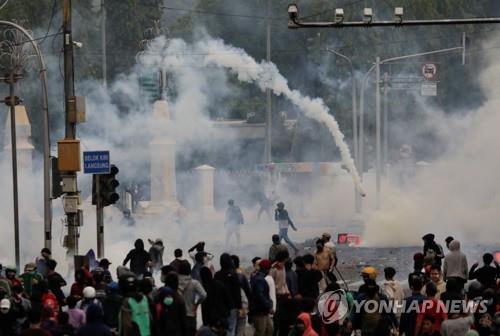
<point>56,179</point>
<point>107,187</point>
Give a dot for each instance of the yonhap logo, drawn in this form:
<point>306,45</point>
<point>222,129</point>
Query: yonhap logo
<point>333,306</point>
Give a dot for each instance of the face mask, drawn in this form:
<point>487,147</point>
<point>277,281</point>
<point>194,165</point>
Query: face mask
<point>168,301</point>
<point>4,310</point>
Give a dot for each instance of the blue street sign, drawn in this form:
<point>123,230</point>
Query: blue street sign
<point>96,162</point>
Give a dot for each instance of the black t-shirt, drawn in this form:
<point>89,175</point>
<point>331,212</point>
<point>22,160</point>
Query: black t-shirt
<point>55,281</point>
<point>138,260</point>
<point>486,275</point>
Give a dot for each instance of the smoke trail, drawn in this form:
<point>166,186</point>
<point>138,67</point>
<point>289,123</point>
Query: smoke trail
<point>265,75</point>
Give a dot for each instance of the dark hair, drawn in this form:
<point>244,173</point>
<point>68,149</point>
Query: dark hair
<point>299,261</point>
<point>282,256</point>
<point>487,258</point>
<point>435,267</point>
<point>46,250</point>
<point>389,272</point>
<point>255,259</point>
<point>308,259</point>
<point>71,301</point>
<point>416,284</point>
<point>51,264</point>
<point>431,289</point>
<point>276,238</point>
<point>178,253</point>
<point>320,241</point>
<point>236,260</point>
<point>172,281</point>
<point>145,286</point>
<point>63,318</point>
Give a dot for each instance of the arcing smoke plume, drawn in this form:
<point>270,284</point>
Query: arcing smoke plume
<point>264,74</point>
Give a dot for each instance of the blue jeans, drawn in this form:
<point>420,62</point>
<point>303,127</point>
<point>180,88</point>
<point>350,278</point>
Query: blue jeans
<point>231,322</point>
<point>284,235</point>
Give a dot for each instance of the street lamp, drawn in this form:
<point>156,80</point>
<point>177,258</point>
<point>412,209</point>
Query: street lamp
<point>354,116</point>
<point>46,137</point>
<point>376,67</point>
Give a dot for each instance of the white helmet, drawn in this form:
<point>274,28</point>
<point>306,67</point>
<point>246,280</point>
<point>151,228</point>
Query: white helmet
<point>89,292</point>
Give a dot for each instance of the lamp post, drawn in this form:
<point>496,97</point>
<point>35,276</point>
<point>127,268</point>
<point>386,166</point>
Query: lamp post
<point>18,58</point>
<point>354,118</point>
<point>376,67</point>
<point>47,208</point>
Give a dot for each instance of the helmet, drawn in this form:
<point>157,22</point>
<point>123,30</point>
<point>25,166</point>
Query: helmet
<point>369,272</point>
<point>89,292</point>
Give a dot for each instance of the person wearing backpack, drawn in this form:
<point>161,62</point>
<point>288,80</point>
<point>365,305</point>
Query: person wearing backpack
<point>135,316</point>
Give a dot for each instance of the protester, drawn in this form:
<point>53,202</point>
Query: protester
<point>391,287</point>
<point>234,219</point>
<point>193,293</point>
<point>408,324</point>
<point>139,259</point>
<point>170,308</point>
<point>76,315</point>
<point>284,221</point>
<point>178,260</point>
<point>436,280</point>
<point>55,282</point>
<point>156,254</point>
<point>455,264</point>
<point>262,307</point>
<point>308,278</point>
<point>41,261</point>
<point>135,317</point>
<point>95,325</point>
<point>217,304</point>
<point>487,275</point>
<point>276,247</point>
<point>433,252</point>
<point>228,277</point>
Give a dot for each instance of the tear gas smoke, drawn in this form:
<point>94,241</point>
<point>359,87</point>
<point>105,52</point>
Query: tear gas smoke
<point>264,74</point>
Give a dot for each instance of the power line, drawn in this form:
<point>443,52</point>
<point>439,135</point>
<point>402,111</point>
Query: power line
<point>197,11</point>
<point>54,7</point>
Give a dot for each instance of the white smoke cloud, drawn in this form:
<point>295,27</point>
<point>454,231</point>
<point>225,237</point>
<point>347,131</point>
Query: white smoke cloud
<point>458,193</point>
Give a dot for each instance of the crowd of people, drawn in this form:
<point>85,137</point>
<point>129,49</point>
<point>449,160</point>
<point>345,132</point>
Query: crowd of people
<point>276,295</point>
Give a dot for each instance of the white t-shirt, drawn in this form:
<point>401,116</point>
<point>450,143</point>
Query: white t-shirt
<point>272,290</point>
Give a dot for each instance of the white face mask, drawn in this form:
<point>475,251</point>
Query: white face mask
<point>4,310</point>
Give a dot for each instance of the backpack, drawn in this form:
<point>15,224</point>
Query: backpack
<point>140,315</point>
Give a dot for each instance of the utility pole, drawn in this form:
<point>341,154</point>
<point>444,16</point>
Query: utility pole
<point>377,121</point>
<point>103,41</point>
<point>70,125</point>
<point>386,123</point>
<point>100,218</point>
<point>11,79</point>
<point>268,146</point>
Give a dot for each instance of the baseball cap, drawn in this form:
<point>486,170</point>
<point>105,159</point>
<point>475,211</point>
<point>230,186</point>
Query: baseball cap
<point>105,262</point>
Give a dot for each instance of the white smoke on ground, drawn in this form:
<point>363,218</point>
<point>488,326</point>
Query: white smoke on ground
<point>457,194</point>
<point>264,74</point>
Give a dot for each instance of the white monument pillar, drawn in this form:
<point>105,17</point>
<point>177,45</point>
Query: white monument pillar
<point>206,188</point>
<point>162,150</point>
<point>23,145</point>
